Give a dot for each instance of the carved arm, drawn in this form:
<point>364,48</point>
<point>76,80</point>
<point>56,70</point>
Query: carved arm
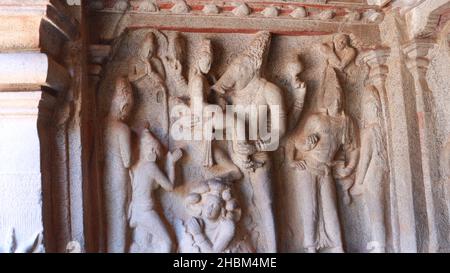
<point>124,138</point>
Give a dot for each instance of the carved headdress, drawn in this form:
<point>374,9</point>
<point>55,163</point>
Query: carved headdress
<point>251,59</point>
<point>257,50</point>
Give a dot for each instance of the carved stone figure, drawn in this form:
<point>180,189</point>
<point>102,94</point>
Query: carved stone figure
<point>198,90</point>
<point>311,151</point>
<point>149,231</point>
<point>117,143</point>
<point>214,159</point>
<point>372,170</point>
<point>243,79</point>
<point>212,229</point>
<point>294,69</point>
<point>147,74</point>
<point>340,53</point>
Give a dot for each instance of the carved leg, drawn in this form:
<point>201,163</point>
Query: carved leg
<point>142,239</point>
<point>262,187</point>
<point>162,243</point>
<point>328,199</point>
<point>115,203</point>
<point>150,235</point>
<point>375,203</point>
<point>308,208</point>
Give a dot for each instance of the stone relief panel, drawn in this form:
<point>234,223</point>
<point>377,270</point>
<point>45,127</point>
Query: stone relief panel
<point>294,181</point>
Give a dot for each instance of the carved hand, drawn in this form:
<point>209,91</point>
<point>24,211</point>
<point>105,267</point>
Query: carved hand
<point>299,85</point>
<point>299,164</point>
<point>249,165</point>
<point>175,155</point>
<point>357,189</point>
<point>245,148</point>
<point>312,141</point>
<point>343,172</point>
<point>194,226</point>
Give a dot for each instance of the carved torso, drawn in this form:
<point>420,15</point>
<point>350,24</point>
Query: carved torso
<point>332,133</point>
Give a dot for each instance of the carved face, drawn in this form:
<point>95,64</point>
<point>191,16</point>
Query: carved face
<point>148,47</point>
<point>204,62</point>
<point>152,151</point>
<point>340,41</point>
<point>150,147</point>
<point>212,207</point>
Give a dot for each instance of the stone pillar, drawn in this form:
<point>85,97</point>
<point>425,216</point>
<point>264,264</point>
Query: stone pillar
<point>417,63</point>
<point>376,60</point>
<point>21,218</point>
<point>406,175</point>
<point>33,34</point>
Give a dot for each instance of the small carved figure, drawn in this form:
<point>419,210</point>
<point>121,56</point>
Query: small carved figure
<point>294,69</point>
<point>340,53</point>
<point>372,171</point>
<point>243,79</point>
<point>311,151</point>
<point>145,64</point>
<point>117,137</point>
<point>198,89</point>
<point>213,228</point>
<point>149,232</point>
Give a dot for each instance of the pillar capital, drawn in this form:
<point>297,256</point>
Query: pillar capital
<point>376,60</point>
<point>416,52</point>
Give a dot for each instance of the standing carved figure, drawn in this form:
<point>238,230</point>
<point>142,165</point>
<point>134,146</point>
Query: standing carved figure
<point>340,53</point>
<point>294,69</point>
<point>372,171</point>
<point>146,73</point>
<point>215,162</point>
<point>149,231</point>
<point>311,151</point>
<point>117,136</point>
<point>244,81</point>
<point>212,228</point>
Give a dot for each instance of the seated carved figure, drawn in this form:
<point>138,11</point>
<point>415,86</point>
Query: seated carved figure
<point>213,229</point>
<point>150,234</point>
